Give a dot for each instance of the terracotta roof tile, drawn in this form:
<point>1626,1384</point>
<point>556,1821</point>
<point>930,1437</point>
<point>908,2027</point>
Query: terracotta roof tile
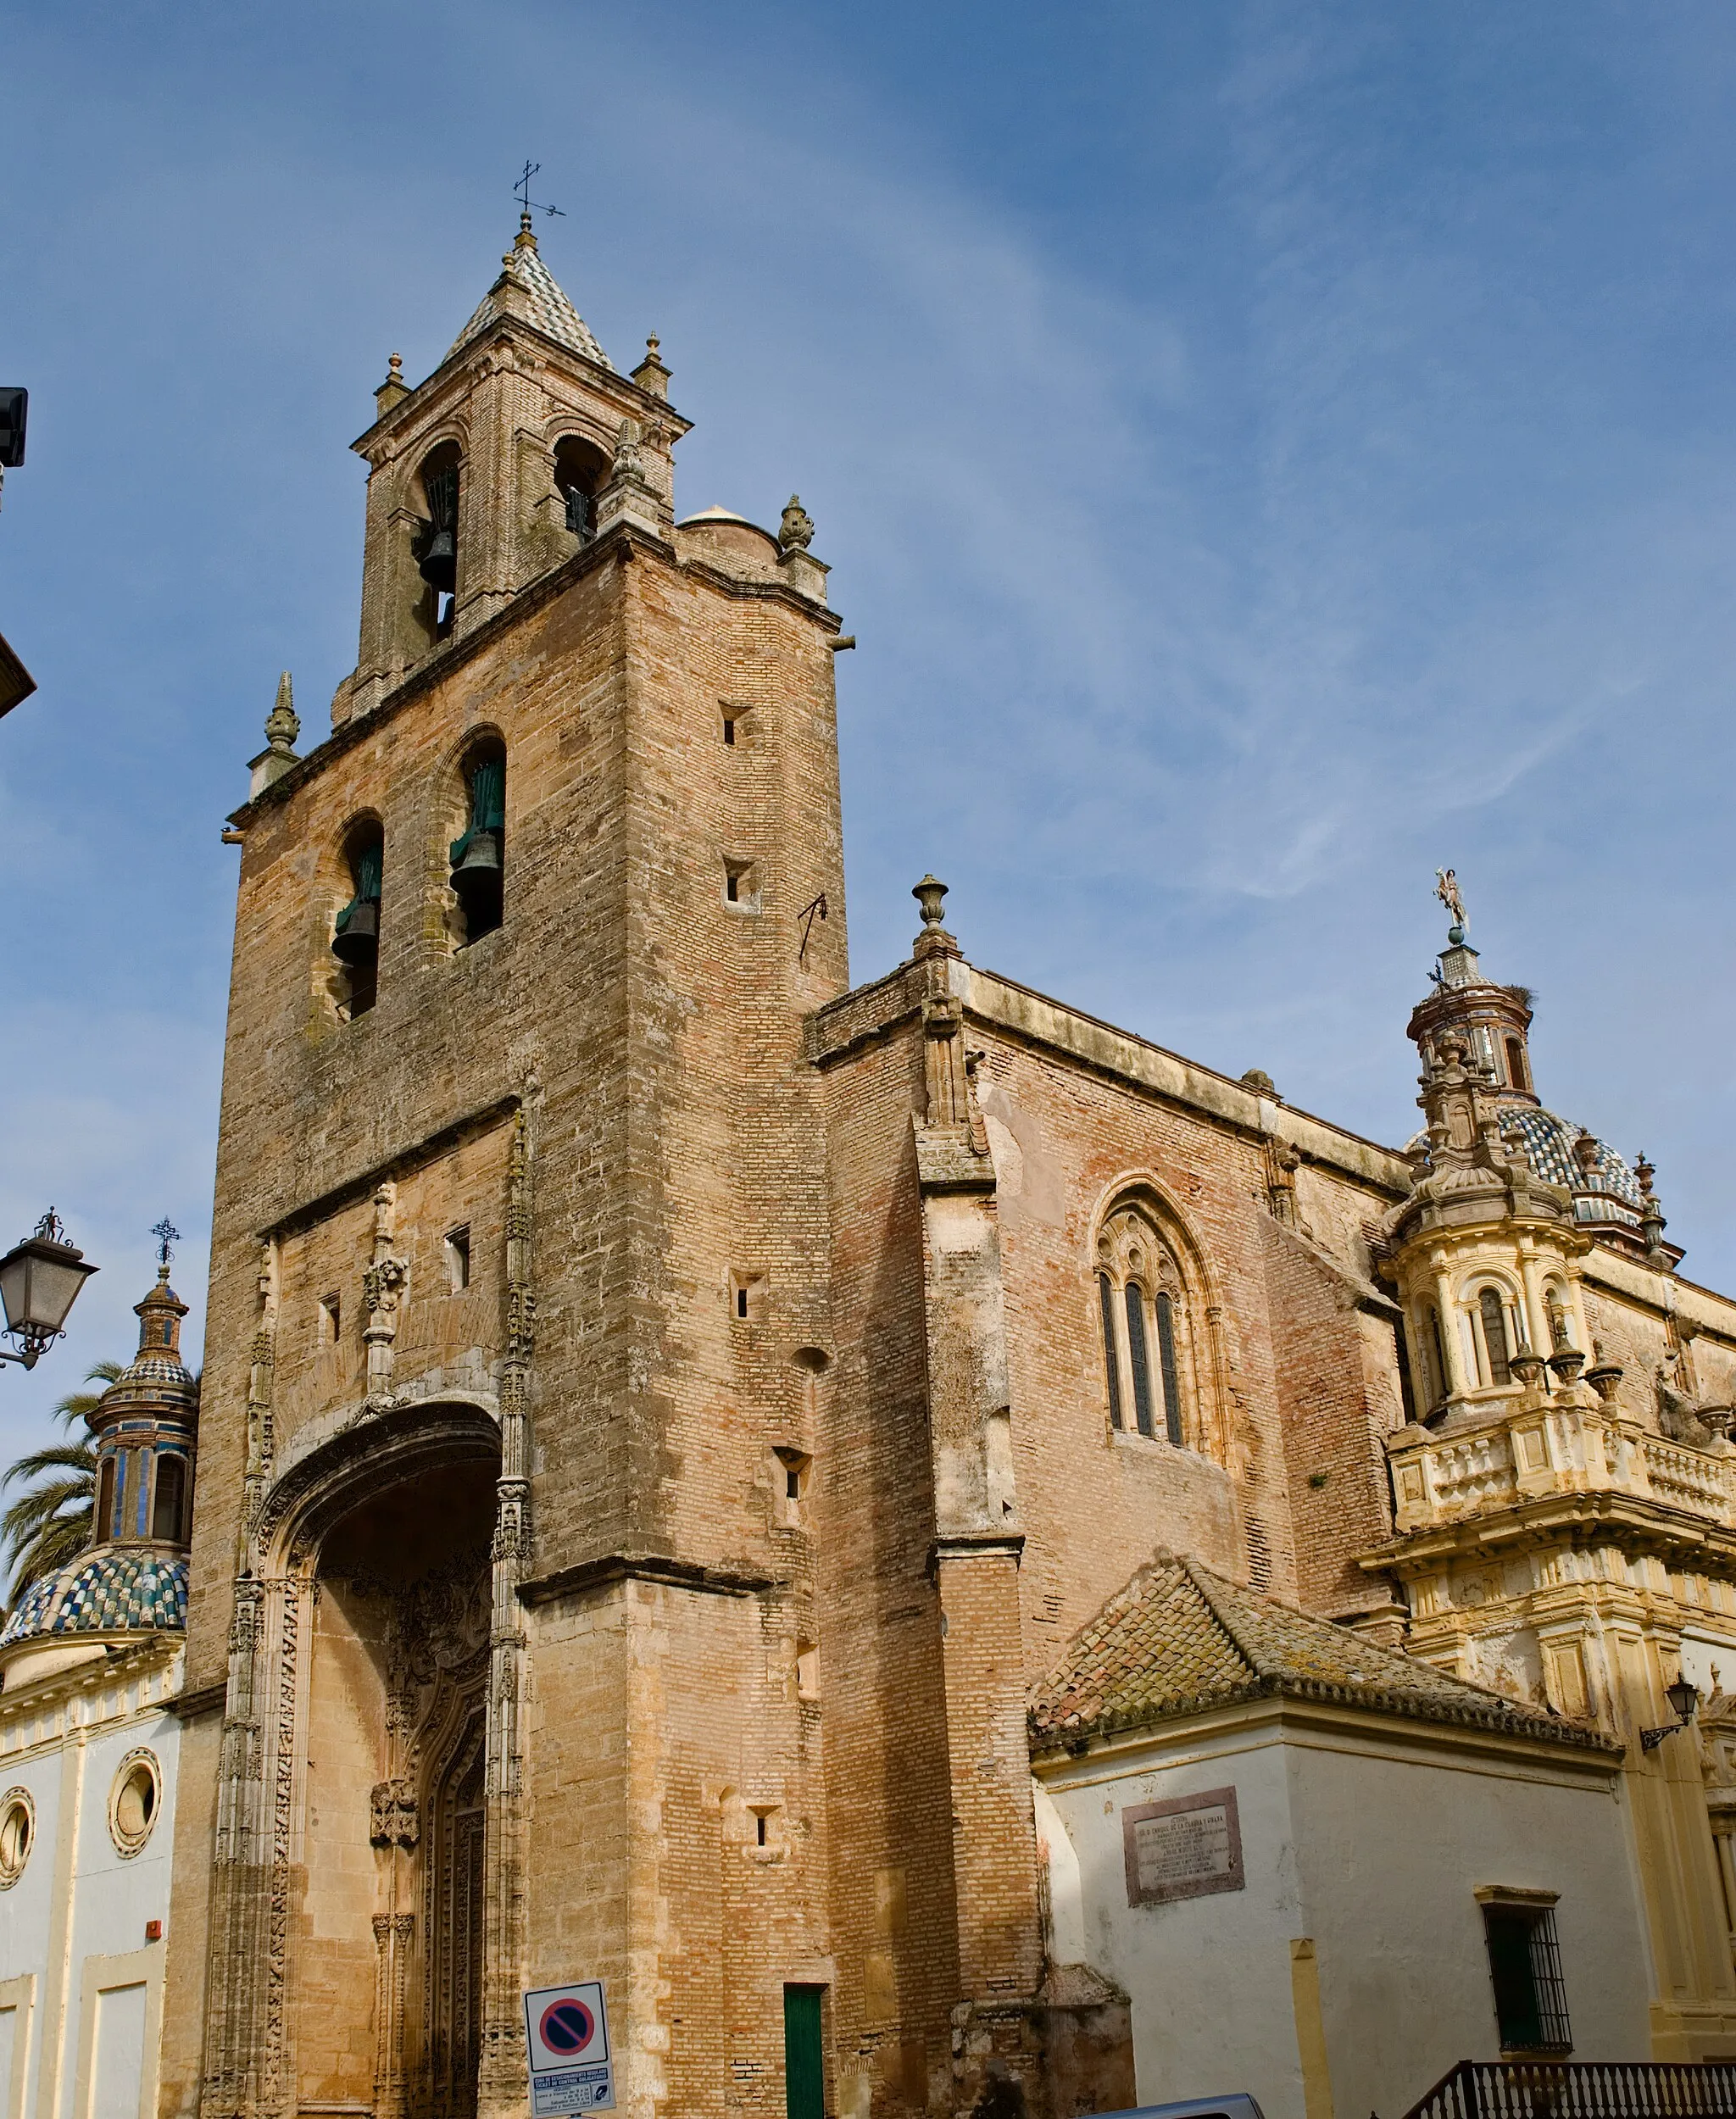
<point>1180,1638</point>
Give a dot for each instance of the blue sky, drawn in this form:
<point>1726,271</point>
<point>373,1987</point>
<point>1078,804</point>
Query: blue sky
<point>1266,451</point>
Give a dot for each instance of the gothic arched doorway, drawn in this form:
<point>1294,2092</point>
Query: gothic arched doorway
<point>389,1945</point>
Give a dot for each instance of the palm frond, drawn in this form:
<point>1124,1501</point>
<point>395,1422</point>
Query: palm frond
<point>43,1504</point>
<point>79,1405</point>
<point>59,1456</point>
<point>54,1545</point>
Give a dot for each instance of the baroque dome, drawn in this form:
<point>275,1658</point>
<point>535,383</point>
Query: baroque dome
<point>103,1593</point>
<point>1604,1179</point>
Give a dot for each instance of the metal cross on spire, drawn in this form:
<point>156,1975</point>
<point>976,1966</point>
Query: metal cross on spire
<point>521,192</point>
<point>165,1233</point>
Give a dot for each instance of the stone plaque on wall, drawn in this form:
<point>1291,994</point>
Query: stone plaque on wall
<point>1182,1848</point>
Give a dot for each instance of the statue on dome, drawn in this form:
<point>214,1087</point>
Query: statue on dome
<point>1446,888</point>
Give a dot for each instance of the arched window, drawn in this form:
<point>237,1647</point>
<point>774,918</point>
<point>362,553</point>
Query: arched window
<point>1133,1295</point>
<point>1142,1302</point>
<point>1516,1066</point>
<point>436,544</point>
<point>1493,1314</point>
<point>580,471</point>
<point>478,854</point>
<point>170,1499</point>
<point>355,934</point>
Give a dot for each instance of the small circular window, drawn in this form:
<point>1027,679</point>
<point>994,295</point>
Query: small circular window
<point>135,1801</point>
<point>18,1833</point>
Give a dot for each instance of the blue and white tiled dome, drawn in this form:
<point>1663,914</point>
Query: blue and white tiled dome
<point>1548,1141</point>
<point>103,1593</point>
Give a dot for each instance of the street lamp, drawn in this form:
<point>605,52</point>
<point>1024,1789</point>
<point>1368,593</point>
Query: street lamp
<point>1684,1699</point>
<point>39,1282</point>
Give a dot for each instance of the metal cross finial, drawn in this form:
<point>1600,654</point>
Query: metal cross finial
<point>165,1233</point>
<point>521,192</point>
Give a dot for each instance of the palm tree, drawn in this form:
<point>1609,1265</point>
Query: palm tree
<point>50,1522</point>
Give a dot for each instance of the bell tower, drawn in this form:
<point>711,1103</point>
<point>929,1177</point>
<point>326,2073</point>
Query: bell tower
<point>502,1660</point>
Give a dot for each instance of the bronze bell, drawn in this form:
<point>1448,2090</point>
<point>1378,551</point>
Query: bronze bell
<point>438,565</point>
<point>476,879</point>
<point>358,941</point>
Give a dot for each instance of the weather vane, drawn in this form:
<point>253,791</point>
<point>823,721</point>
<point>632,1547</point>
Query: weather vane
<point>521,192</point>
<point>165,1233</point>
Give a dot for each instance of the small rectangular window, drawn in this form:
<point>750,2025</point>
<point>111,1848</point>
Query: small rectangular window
<point>330,1320</point>
<point>791,1471</point>
<point>1525,1971</point>
<point>458,1260</point>
<point>741,885</point>
<point>748,1296</point>
<point>729,730</point>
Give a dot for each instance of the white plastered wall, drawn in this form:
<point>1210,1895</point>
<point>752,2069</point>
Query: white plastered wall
<point>81,1905</point>
<point>1370,1836</point>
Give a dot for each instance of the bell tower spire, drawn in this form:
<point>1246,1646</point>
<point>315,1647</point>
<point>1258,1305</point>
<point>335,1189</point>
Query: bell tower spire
<point>487,474</point>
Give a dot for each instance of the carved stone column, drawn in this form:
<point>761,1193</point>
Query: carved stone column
<point>500,2086</point>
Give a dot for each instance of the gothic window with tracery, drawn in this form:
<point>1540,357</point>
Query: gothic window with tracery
<point>1142,1304</point>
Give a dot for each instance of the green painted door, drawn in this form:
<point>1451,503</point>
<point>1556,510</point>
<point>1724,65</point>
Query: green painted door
<point>803,2063</point>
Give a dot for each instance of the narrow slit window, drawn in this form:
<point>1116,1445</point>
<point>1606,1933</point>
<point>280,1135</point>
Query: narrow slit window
<point>1111,1359</point>
<point>733,891</point>
<point>1495,1335</point>
<point>1166,1368</point>
<point>458,1260</point>
<point>331,1320</point>
<point>729,730</point>
<point>105,1501</point>
<point>1437,1347</point>
<point>1516,1065</point>
<point>1138,1360</point>
<point>741,1302</point>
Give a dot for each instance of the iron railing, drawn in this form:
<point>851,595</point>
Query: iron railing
<point>1583,2090</point>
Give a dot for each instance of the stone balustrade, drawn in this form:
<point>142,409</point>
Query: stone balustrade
<point>1524,1450</point>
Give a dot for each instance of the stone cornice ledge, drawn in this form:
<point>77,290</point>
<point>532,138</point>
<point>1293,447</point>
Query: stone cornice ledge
<point>652,1567</point>
<point>870,1013</point>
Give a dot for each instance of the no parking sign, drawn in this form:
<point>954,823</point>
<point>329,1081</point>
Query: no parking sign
<point>566,2037</point>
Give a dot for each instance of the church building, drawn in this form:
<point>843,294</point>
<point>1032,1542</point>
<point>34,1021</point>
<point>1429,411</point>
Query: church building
<point>958,1561</point>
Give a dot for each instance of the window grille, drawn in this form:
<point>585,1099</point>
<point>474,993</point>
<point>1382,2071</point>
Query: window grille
<point>1525,1970</point>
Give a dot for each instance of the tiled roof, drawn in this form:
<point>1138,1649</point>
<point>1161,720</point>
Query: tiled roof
<point>1180,1638</point>
<point>551,311</point>
<point>107,1593</point>
<point>1548,1141</point>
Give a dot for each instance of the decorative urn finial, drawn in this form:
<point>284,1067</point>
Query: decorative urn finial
<point>795,532</point>
<point>283,724</point>
<point>931,895</point>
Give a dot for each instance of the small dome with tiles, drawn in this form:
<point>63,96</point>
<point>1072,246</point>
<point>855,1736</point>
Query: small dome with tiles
<point>103,1593</point>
